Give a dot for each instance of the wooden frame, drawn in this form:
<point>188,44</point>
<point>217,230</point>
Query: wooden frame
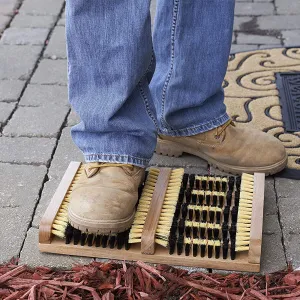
<point>245,261</point>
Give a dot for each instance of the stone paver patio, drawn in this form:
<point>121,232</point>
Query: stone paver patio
<point>35,121</point>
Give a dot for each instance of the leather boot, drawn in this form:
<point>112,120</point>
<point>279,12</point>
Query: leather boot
<point>230,148</point>
<point>103,201</point>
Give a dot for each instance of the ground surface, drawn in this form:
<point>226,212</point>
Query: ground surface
<point>35,121</point>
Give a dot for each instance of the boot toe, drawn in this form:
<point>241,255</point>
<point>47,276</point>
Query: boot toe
<point>101,209</point>
<point>272,151</point>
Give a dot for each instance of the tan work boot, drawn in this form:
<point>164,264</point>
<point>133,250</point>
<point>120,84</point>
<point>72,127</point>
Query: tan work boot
<point>230,148</point>
<point>103,201</point>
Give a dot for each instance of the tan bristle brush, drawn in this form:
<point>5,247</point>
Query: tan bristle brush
<point>61,220</point>
<point>168,208</point>
<point>244,213</point>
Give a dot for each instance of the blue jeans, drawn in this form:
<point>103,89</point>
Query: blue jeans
<point>127,87</point>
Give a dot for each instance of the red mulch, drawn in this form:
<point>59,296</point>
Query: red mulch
<point>108,281</point>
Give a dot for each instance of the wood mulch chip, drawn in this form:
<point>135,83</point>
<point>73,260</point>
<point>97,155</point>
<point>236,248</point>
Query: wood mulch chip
<point>115,280</point>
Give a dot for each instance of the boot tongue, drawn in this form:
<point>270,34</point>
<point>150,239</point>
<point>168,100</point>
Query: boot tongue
<point>91,169</point>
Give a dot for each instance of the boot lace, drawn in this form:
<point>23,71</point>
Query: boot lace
<point>222,128</point>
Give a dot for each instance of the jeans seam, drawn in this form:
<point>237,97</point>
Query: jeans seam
<point>166,84</point>
<point>116,157</point>
<point>179,132</point>
<point>143,94</point>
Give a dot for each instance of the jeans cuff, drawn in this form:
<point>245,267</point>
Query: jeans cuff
<point>117,158</point>
<point>198,128</point>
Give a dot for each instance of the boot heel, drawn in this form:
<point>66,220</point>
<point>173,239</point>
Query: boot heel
<point>167,148</point>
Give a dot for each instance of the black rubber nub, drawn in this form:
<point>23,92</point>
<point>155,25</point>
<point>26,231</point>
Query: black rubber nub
<point>185,180</point>
<point>76,235</point>
<point>217,251</point>
<point>218,185</point>
<point>215,200</point>
<point>218,217</point>
<point>201,199</point>
<point>98,240</point>
<point>207,200</point>
<point>202,232</point>
<point>181,226</point>
<point>211,216</point>
<point>221,201</point>
<point>172,244</point>
<point>184,210</point>
<point>69,234</point>
<point>225,249</point>
<point>112,241</point>
<point>232,232</point>
<point>83,238</point>
<point>188,196</point>
<point>216,232</point>
<point>104,241</point>
<point>232,251</point>
<point>195,232</point>
<point>209,233</point>
<point>224,185</point>
<point>194,199</point>
<point>210,185</point>
<point>181,195</point>
<point>202,250</point>
<point>210,250</point>
<point>224,231</point>
<point>188,231</point>
<point>226,213</point>
<point>90,239</point>
<point>231,183</point>
<point>180,244</point>
<point>234,214</point>
<point>187,249</point>
<point>192,180</point>
<point>237,198</point>
<point>195,250</point>
<point>228,198</point>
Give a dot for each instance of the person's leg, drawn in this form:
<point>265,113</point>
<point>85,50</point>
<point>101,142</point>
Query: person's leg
<point>109,53</point>
<point>192,42</point>
<point>109,56</point>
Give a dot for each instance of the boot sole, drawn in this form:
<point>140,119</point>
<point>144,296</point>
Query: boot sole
<point>169,148</point>
<point>100,227</point>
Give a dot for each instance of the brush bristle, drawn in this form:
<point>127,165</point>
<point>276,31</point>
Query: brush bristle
<point>60,222</point>
<point>243,226</point>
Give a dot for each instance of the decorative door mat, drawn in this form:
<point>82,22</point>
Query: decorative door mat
<point>253,96</point>
<point>288,85</point>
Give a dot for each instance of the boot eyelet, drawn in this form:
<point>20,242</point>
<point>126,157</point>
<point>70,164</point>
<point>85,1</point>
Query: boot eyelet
<point>217,137</point>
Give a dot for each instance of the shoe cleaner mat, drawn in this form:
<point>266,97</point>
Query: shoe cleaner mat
<point>254,96</point>
<point>181,219</point>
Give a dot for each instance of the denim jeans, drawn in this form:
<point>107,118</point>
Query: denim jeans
<point>127,86</point>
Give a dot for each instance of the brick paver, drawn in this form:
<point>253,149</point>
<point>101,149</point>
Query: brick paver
<point>28,21</point>
<point>17,62</point>
<point>11,90</point>
<point>36,147</point>
<point>24,36</point>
